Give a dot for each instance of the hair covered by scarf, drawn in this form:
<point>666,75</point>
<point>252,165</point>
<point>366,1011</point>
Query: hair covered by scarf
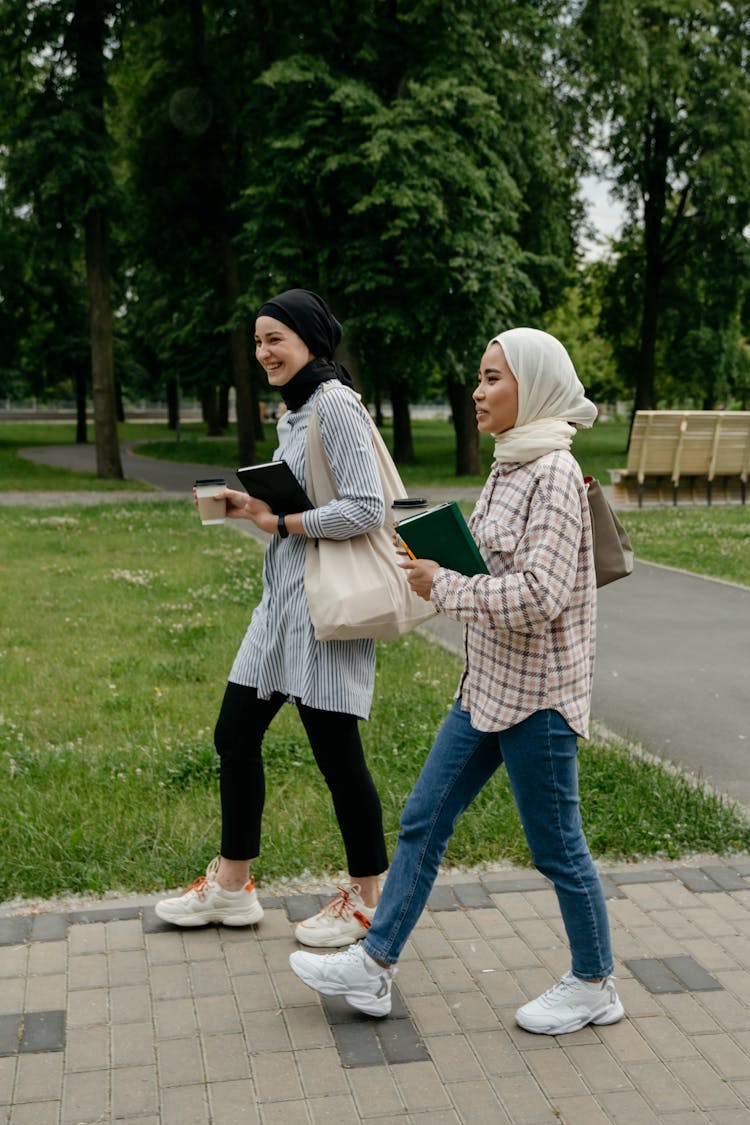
<point>552,402</point>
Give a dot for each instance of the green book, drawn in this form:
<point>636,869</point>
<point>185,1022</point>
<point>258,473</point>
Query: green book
<point>442,534</point>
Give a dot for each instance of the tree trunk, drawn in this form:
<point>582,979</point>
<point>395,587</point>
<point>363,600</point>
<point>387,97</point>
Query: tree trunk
<point>403,445</point>
<point>468,460</point>
<point>654,207</point>
<point>173,403</point>
<point>210,408</point>
<point>248,404</point>
<point>81,385</point>
<point>108,463</point>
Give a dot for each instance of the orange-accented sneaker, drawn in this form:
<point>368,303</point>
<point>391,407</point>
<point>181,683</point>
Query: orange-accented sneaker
<point>342,921</point>
<point>206,901</point>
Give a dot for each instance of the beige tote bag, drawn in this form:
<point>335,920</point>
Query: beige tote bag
<point>613,552</point>
<point>355,587</point>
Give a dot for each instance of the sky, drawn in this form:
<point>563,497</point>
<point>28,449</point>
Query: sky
<point>606,214</point>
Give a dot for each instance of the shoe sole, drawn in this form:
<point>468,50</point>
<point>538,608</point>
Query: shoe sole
<point>612,1015</point>
<point>192,921</point>
<point>362,1001</point>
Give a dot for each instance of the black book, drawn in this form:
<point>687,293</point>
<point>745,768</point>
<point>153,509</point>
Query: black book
<point>275,483</point>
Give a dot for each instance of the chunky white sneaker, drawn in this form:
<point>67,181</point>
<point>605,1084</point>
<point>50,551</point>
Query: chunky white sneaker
<point>343,920</point>
<point>352,974</point>
<point>206,901</point>
<point>570,1005</point>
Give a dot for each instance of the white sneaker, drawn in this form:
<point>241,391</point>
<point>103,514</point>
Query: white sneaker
<point>352,974</point>
<point>343,920</point>
<point>206,901</point>
<point>570,1005</point>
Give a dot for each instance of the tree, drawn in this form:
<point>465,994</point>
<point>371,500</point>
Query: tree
<point>53,70</point>
<point>667,81</point>
<point>389,180</point>
<point>185,86</point>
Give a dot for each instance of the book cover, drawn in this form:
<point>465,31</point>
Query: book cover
<point>442,534</point>
<point>275,483</point>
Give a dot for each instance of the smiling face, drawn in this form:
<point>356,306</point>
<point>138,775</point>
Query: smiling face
<point>496,396</point>
<point>279,350</point>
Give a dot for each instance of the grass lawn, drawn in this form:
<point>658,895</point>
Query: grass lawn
<point>119,624</point>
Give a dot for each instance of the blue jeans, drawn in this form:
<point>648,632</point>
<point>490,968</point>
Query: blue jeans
<point>540,755</point>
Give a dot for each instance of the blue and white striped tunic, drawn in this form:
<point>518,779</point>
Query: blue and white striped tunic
<point>279,651</point>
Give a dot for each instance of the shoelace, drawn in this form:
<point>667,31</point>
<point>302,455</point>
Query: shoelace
<point>341,906</point>
<point>200,886</point>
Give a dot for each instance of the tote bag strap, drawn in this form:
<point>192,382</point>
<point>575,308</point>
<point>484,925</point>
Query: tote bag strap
<point>319,480</point>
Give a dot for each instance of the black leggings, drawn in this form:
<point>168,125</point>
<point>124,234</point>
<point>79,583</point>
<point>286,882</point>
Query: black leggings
<point>337,747</point>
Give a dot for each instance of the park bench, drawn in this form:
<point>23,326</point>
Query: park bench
<point>697,454</point>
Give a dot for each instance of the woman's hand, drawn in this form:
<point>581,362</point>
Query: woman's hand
<point>420,573</point>
<point>240,506</point>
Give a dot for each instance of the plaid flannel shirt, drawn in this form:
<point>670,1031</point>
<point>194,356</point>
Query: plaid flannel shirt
<point>529,626</point>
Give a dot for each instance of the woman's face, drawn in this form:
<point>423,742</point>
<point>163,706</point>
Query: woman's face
<point>496,396</point>
<point>279,350</point>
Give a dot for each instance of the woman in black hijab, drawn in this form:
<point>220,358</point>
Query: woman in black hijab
<point>279,660</point>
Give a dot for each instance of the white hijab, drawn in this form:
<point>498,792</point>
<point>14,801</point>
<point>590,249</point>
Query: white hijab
<point>552,403</point>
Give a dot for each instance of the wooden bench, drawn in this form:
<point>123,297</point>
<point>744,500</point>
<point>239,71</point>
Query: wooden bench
<point>693,453</point>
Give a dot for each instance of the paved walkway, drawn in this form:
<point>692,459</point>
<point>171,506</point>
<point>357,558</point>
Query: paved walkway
<point>108,1015</point>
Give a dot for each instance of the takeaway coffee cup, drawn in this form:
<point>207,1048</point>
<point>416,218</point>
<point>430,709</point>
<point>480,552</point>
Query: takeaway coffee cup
<point>209,509</point>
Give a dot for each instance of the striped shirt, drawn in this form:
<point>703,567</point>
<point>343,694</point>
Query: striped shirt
<point>279,652</point>
<point>530,624</point>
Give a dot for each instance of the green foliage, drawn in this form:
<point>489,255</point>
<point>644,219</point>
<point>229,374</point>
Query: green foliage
<point>666,86</point>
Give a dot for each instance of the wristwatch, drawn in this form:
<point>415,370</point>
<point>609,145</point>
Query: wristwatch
<point>283,532</point>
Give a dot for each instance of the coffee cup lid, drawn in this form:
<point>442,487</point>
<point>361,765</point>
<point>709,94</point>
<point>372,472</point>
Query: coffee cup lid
<point>211,480</point>
<point>409,502</point>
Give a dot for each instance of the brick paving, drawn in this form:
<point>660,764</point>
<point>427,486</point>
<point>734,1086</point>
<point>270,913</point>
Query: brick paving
<point>109,1015</point>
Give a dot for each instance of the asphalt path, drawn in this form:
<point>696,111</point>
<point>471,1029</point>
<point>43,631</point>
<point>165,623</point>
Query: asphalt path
<point>673,649</point>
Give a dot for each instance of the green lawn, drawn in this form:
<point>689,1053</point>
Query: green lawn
<point>118,628</point>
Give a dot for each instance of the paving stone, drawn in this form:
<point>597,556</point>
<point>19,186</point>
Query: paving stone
<point>638,875</point>
<point>726,877</point>
<point>473,895</point>
<point>233,1102</point>
<point>299,907</point>
<point>43,1031</point>
<point>184,1105</point>
<point>153,925</point>
<point>321,1072</point>
<point>442,898</point>
<point>693,976</point>
<point>85,1098</point>
<point>13,931</point>
<point>655,975</point>
<point>610,888</point>
<point>400,1041</point>
<point>39,1077</point>
<point>104,914</point>
<point>357,1044</point>
<point>10,1033</point>
<point>48,927</point>
<point>134,1091</point>
<point>696,880</point>
<point>276,1078</point>
<point>498,885</point>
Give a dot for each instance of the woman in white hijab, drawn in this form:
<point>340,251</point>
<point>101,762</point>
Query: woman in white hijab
<point>524,695</point>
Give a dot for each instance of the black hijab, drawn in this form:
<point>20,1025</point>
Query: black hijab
<point>308,315</point>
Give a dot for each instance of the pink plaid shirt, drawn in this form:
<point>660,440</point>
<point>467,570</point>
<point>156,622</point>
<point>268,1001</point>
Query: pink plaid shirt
<point>530,624</point>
